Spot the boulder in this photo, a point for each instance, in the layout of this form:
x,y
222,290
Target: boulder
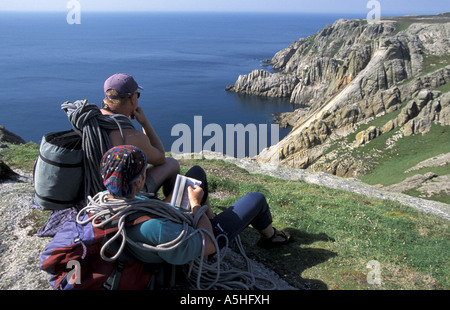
x,y
366,136
9,137
411,182
6,173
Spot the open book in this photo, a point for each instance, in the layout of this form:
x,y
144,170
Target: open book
x,y
180,196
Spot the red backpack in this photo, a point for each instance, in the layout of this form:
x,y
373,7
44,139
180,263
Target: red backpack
x,y
73,260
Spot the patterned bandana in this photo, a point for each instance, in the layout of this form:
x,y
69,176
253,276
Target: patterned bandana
x,y
120,167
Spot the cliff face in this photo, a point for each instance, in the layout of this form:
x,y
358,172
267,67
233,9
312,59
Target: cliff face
x,y
351,72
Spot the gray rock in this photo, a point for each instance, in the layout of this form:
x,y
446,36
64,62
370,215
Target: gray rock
x,y
264,83
20,248
6,173
7,136
410,183
350,72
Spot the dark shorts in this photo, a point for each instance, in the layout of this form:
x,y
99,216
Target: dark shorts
x,y
150,184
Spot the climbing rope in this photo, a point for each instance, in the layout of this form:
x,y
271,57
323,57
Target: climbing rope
x,y
88,120
203,273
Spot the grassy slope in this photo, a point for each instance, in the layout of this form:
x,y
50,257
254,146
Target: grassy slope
x,y
387,165
337,233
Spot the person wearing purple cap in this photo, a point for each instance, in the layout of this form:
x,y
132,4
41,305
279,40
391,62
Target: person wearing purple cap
x,y
121,97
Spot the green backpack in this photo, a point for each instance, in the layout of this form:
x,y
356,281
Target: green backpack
x,y
59,172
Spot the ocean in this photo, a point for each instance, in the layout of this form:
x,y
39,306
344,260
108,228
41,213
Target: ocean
x,y
183,61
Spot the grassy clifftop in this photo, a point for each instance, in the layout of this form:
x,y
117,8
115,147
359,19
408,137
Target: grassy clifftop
x,y
337,233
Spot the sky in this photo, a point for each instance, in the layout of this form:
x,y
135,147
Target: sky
x,y
387,7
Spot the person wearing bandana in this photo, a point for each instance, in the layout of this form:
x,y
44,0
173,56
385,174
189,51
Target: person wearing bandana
x,y
123,171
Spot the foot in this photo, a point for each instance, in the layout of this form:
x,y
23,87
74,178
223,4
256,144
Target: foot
x,y
278,238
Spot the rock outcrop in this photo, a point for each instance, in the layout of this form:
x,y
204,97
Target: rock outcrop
x,y
264,83
352,72
6,173
8,136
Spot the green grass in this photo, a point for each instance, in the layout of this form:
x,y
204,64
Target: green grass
x,y
407,152
21,156
387,166
400,26
431,63
337,233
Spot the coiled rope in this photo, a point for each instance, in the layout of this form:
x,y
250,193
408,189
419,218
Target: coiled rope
x,y
202,273
93,126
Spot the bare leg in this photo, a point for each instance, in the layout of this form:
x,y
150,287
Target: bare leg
x,y
163,175
268,231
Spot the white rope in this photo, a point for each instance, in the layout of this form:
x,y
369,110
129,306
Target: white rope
x,y
203,273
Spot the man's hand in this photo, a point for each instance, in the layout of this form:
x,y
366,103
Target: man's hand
x,y
139,116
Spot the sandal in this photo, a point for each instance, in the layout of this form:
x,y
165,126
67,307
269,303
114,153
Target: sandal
x,y
265,242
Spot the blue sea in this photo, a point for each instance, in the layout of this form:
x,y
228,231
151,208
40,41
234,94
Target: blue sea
x,y
183,61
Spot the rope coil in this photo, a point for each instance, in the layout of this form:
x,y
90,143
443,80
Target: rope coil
x,y
202,273
89,120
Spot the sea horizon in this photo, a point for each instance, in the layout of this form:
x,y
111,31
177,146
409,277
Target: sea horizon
x,y
183,60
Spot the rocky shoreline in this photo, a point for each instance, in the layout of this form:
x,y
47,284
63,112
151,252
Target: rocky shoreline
x,y
349,73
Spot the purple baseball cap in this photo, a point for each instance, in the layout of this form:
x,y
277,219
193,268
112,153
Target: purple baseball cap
x,y
123,83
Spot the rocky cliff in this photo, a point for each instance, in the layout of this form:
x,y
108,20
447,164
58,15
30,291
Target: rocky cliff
x,y
350,73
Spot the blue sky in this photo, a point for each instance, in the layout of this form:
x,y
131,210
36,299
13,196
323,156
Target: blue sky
x,y
388,7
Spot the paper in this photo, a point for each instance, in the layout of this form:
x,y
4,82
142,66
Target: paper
x,y
180,196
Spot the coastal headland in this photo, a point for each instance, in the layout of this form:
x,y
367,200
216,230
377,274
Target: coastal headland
x,y
362,93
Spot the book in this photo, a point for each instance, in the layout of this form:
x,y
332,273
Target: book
x,y
180,196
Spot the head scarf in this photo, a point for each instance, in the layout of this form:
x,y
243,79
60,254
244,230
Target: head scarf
x,y
120,167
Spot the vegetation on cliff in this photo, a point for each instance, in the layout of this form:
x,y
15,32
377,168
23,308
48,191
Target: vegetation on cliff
x,y
362,92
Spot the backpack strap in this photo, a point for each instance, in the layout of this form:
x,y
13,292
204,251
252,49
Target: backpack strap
x,y
112,283
120,128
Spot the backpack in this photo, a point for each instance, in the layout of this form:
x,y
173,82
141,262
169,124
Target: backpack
x,y
73,260
58,174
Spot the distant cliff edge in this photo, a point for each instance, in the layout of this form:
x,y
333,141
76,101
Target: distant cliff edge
x,y
349,74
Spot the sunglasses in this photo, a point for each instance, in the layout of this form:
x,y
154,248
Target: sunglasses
x,y
137,93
